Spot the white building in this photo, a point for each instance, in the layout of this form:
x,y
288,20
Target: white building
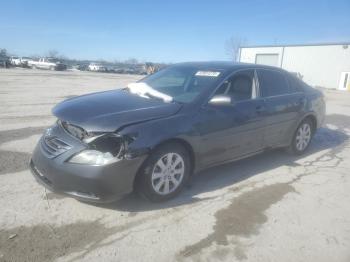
x,y
323,65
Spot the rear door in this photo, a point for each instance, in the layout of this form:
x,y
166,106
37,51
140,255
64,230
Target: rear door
x,y
283,105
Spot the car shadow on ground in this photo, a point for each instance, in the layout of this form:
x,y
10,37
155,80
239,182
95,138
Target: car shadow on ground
x,y
228,174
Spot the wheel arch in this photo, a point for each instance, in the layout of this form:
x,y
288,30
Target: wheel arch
x,y
312,117
185,144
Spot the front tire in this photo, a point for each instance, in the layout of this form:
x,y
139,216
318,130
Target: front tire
x,y
302,137
164,173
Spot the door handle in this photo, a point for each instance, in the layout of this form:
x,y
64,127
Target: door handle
x,y
260,109
300,102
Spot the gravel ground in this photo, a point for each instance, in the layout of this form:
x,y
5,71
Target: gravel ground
x,y
271,207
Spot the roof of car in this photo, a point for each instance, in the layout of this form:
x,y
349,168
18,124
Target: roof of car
x,y
225,65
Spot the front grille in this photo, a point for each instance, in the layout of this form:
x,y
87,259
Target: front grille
x,y
53,146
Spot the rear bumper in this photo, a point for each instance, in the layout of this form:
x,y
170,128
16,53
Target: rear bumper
x,y
88,183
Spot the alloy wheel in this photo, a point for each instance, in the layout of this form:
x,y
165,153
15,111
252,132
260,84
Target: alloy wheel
x,y
303,137
168,173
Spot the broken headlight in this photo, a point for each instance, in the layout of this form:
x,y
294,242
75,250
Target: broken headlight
x,y
102,150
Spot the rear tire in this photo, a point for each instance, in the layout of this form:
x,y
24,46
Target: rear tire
x,y
302,137
164,173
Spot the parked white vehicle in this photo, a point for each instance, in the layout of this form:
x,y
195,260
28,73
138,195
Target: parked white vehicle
x,y
96,67
47,63
25,61
15,61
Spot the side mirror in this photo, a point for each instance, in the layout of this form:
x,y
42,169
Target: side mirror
x,y
220,100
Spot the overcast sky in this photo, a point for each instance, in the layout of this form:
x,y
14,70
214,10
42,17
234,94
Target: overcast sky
x,y
165,31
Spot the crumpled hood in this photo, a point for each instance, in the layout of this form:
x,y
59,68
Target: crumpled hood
x,y
109,111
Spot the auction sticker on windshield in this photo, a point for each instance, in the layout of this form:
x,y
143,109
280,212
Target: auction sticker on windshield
x,y
208,73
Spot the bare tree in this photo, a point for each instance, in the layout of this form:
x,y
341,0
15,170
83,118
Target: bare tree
x,y
232,47
3,52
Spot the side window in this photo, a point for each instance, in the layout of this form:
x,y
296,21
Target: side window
x,y
295,84
241,86
272,83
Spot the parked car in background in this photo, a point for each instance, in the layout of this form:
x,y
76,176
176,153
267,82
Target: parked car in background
x,y
83,67
47,63
154,134
97,67
25,61
128,70
119,70
4,62
15,61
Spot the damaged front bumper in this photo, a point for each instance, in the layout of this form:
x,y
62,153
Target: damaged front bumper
x,y
94,183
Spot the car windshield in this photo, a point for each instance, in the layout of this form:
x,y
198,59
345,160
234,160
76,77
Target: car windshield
x,y
182,83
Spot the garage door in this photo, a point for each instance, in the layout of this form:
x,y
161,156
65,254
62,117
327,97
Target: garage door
x,y
267,59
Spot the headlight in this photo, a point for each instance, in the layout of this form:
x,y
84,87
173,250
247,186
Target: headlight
x,y
93,157
102,150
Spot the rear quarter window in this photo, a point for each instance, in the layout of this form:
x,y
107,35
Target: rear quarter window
x,y
295,84
272,83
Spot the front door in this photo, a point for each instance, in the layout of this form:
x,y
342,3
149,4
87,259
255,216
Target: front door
x,y
232,131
